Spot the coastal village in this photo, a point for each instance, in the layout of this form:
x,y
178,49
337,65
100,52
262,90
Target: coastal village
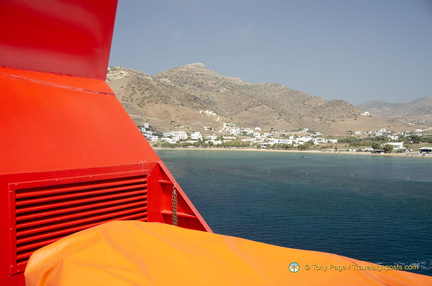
x,y
194,107
233,136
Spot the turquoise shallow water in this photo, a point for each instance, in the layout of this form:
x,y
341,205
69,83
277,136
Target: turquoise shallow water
x,y
372,208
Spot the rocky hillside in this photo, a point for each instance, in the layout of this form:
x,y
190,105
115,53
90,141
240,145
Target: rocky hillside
x,y
174,98
417,112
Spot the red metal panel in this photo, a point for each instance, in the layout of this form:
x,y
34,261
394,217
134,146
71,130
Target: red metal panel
x,y
161,201
71,157
57,122
46,206
69,37
39,208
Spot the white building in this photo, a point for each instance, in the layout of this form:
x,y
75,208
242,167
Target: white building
x,y
247,131
318,141
179,135
196,136
234,131
273,141
396,145
382,132
208,112
152,138
302,140
169,140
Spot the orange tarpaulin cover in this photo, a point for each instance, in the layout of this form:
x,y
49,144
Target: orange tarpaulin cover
x,y
138,253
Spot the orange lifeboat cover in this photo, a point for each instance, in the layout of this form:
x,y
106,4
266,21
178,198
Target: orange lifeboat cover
x,y
139,253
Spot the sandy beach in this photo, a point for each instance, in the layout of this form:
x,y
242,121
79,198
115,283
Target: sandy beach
x,y
409,154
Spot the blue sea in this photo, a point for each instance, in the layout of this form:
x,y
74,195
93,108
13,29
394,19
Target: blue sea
x,y
372,208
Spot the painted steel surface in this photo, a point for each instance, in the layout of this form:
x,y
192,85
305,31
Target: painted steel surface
x,y
70,157
70,37
56,122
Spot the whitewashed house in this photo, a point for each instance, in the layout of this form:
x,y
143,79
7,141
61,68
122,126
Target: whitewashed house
x,y
303,140
318,141
196,136
169,140
179,135
396,145
152,138
273,141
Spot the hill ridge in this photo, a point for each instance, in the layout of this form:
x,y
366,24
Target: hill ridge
x,y
173,98
418,111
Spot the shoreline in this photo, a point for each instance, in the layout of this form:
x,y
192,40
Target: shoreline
x,y
405,155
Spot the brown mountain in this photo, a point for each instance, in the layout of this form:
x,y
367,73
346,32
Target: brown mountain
x,y
417,112
174,98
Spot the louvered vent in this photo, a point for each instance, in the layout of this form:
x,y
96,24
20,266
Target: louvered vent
x,y
46,213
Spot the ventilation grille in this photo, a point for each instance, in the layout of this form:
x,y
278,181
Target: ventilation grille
x,y
45,214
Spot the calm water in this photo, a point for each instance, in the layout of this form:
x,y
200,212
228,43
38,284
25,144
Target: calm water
x,y
372,208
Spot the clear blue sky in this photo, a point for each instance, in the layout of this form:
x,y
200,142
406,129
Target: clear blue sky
x,y
356,50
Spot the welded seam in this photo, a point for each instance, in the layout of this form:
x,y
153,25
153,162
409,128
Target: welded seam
x,y
55,84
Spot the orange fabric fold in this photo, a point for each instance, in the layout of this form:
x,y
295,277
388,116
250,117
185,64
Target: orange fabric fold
x,y
138,253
